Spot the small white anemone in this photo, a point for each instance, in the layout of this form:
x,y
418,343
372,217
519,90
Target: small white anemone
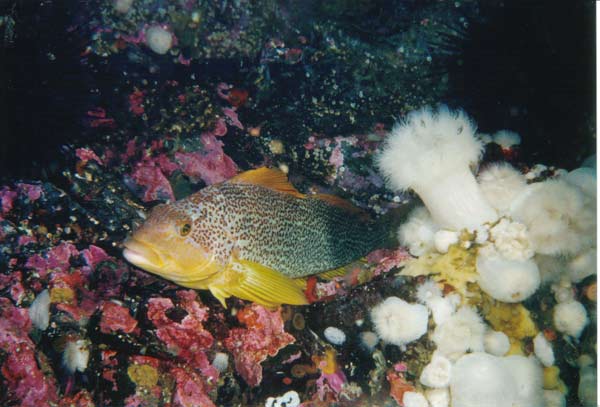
x,y
417,232
398,322
570,317
431,152
462,332
443,239
427,291
496,343
438,397
543,350
504,279
500,183
158,39
437,372
582,265
557,216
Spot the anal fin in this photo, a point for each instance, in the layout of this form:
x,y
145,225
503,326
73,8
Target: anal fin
x,y
254,282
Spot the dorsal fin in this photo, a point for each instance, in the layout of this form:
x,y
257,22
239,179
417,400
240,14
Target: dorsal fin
x,y
268,178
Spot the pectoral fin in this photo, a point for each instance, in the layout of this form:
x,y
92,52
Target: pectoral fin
x,y
254,282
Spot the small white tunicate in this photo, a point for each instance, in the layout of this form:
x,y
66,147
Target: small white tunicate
x,y
221,361
39,311
334,335
76,356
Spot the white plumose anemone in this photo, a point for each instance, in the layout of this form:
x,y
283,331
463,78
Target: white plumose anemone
x,y
417,232
437,372
414,399
557,217
500,183
511,240
398,322
461,332
496,343
570,317
506,280
159,39
431,152
584,178
528,378
442,308
479,379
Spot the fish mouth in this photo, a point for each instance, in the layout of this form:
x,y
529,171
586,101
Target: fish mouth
x,y
141,254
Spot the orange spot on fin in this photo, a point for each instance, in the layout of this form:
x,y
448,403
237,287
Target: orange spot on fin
x,y
268,178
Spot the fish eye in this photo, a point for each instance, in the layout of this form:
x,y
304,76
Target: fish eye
x,y
185,229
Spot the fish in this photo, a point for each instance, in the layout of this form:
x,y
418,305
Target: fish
x,y
255,237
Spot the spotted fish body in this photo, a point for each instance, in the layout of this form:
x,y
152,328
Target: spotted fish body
x,y
254,237
295,236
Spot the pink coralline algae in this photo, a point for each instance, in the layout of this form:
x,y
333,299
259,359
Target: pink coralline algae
x,y
85,155
190,390
7,196
25,383
136,99
263,336
116,318
56,258
14,283
387,259
211,165
149,175
80,399
94,255
186,338
32,191
232,118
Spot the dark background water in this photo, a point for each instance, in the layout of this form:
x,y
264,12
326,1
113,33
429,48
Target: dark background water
x,y
529,67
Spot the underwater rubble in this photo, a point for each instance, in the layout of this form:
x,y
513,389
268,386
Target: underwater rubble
x,y
406,326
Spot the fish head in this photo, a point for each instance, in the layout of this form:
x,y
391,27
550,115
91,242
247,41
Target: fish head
x,y
167,244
